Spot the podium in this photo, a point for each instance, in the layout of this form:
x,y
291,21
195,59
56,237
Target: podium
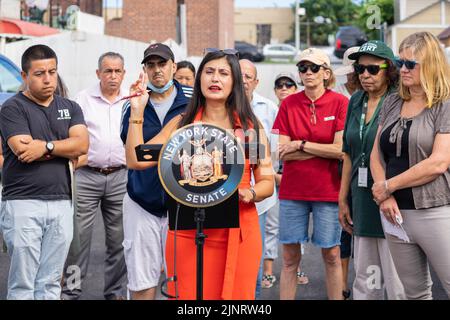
x,y
200,168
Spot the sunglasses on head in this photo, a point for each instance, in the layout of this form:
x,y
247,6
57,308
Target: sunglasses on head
x,y
287,84
373,69
232,52
409,64
303,68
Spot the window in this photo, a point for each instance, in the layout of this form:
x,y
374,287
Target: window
x,y
10,79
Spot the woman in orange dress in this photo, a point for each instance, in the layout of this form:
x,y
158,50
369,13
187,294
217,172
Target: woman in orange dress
x,y
231,256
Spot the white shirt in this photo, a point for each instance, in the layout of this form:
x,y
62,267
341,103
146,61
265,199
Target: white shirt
x,y
342,89
103,120
266,112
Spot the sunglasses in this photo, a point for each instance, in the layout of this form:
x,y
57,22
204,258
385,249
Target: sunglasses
x,y
373,69
313,118
303,68
287,84
409,64
232,52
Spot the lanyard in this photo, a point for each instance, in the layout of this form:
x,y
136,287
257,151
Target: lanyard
x,y
363,133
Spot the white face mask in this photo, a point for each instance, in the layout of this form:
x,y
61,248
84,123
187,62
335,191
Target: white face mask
x,y
160,90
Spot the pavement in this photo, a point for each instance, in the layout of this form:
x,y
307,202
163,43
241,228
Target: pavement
x,y
311,264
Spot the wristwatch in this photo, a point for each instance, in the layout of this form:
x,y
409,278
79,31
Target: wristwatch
x,y
302,145
49,146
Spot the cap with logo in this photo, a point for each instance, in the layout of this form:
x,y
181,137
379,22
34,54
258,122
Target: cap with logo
x,y
316,56
374,48
287,75
347,64
160,50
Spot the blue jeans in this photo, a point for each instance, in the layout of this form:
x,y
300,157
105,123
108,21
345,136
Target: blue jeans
x,y
262,227
294,223
37,234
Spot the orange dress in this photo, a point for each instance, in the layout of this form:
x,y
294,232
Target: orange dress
x,y
231,256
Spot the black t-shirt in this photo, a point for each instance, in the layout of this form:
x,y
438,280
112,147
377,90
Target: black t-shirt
x,y
397,165
42,180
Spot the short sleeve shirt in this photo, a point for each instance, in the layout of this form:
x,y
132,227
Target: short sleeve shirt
x,y
42,180
314,179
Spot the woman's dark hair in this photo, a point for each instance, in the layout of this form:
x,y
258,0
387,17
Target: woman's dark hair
x,y
392,75
237,101
61,88
186,64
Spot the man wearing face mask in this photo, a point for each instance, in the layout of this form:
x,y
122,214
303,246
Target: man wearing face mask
x,y
144,213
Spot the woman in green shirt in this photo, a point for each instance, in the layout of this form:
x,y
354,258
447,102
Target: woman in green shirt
x,y
375,271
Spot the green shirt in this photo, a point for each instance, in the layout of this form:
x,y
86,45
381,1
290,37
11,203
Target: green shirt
x,y
365,212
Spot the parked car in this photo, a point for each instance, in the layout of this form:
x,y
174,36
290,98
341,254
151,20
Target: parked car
x,y
346,37
10,78
280,51
248,51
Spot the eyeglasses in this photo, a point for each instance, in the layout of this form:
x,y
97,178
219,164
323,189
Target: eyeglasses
x,y
373,69
287,84
303,68
232,52
409,64
313,118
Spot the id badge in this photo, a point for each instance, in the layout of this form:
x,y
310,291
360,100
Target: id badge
x,y
362,177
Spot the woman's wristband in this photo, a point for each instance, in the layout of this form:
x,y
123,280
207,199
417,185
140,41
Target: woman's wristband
x,y
302,145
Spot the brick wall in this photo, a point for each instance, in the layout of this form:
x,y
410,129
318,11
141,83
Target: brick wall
x,y
89,6
145,21
226,24
210,23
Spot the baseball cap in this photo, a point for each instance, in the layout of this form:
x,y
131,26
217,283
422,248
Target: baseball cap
x,y
375,48
160,50
288,75
347,64
316,56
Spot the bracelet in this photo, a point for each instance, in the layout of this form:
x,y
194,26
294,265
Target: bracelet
x,y
302,145
253,193
136,121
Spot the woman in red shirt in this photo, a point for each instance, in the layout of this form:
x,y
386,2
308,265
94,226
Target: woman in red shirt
x,y
310,125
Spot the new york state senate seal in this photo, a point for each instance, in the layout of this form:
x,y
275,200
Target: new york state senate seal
x,y
201,165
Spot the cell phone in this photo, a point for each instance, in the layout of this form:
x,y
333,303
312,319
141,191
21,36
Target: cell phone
x,y
148,152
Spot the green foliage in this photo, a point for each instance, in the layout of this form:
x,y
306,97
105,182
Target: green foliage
x,y
341,13
386,12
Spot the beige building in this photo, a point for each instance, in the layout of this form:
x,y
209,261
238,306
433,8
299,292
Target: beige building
x,y
418,15
260,26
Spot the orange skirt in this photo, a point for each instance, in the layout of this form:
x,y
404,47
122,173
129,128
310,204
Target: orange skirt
x,y
231,260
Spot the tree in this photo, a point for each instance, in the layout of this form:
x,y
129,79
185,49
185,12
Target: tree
x,y
373,13
368,15
340,12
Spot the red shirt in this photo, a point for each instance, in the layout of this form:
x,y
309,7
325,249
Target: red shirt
x,y
315,179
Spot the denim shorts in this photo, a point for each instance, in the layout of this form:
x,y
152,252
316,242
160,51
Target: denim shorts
x,y
294,223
